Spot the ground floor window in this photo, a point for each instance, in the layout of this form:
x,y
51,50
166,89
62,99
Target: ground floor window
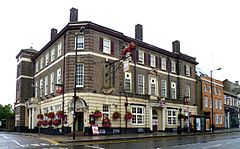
x,y
172,117
138,115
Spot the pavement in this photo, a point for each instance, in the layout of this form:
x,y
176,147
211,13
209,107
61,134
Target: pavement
x,y
120,137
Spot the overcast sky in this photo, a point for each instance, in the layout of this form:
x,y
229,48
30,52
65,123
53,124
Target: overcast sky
x,y
207,29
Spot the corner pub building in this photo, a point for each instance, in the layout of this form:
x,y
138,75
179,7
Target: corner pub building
x,y
142,91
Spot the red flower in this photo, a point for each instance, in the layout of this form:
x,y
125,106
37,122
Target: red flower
x,y
39,123
44,122
51,115
60,114
128,116
56,122
50,122
106,122
97,114
40,116
116,115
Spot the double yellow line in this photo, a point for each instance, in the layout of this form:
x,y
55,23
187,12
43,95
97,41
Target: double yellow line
x,y
51,141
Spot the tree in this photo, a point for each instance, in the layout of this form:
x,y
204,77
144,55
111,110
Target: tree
x,y
6,111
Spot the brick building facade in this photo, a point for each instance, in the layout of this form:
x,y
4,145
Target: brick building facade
x,y
155,86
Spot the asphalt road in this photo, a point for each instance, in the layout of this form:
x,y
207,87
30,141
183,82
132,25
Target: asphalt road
x,y
216,141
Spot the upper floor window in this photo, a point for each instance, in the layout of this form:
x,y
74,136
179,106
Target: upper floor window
x,y
46,86
52,82
138,115
41,87
215,90
173,90
210,103
205,87
80,75
205,102
220,104
163,64
36,66
216,103
210,89
80,42
59,76
41,63
106,46
216,116
127,82
152,61
164,88
219,91
141,57
188,91
59,49
173,66
187,70
47,59
140,84
36,89
53,54
220,118
153,86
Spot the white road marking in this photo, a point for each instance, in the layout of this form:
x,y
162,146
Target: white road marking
x,y
34,144
44,144
94,147
211,146
18,143
5,137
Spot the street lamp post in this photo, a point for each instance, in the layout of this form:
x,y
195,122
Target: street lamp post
x,y
212,96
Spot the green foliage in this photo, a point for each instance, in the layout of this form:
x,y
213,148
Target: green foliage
x,y
6,111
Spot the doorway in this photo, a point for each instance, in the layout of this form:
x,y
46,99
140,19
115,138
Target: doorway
x,y
155,120
79,121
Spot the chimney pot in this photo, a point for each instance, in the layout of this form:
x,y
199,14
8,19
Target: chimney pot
x,y
176,46
53,33
73,15
139,32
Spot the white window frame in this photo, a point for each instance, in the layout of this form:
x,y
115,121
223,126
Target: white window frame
x,y
188,73
163,88
171,117
140,57
173,66
173,90
153,86
47,59
220,118
58,107
46,85
80,75
216,119
59,47
141,83
205,87
36,89
216,103
106,46
128,82
152,60
41,87
106,111
59,76
220,104
52,82
80,42
205,102
52,54
41,63
138,112
188,91
210,103
163,63
36,66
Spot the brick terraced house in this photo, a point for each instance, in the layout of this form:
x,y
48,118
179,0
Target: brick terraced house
x,y
148,83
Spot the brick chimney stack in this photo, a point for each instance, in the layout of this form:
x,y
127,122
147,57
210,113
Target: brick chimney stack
x,y
53,33
176,46
139,32
73,15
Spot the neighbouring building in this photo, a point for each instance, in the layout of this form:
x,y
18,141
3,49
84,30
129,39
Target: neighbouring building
x,y
207,104
231,103
87,61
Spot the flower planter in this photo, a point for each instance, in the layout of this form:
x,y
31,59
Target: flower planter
x,y
60,114
40,116
97,114
51,115
128,116
116,115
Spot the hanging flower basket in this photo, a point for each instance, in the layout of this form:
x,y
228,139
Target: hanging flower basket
x,y
60,114
128,116
51,115
40,116
106,122
44,123
180,116
39,123
56,122
116,115
97,114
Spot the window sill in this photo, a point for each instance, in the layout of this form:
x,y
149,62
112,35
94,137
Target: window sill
x,y
79,86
